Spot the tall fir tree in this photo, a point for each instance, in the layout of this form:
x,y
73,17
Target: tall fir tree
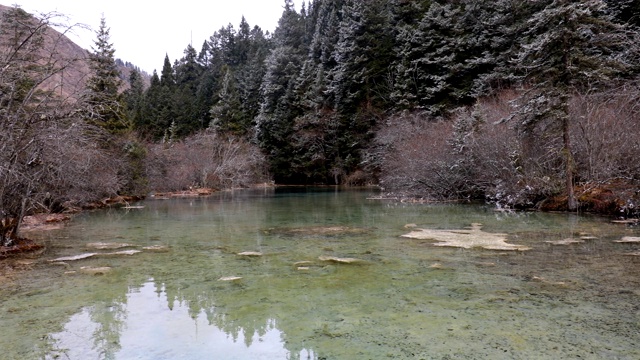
x,y
227,115
570,46
134,97
105,104
274,123
360,84
147,124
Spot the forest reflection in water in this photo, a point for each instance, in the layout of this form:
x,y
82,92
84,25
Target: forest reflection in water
x,y
403,298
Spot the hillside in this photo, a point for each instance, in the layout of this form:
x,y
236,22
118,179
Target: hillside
x,y
71,82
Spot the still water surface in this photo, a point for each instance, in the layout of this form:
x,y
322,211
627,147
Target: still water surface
x,y
403,299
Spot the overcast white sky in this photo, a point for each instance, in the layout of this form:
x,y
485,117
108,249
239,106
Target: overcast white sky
x,y
142,32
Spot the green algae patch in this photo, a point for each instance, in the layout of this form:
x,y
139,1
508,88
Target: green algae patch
x,y
92,270
466,238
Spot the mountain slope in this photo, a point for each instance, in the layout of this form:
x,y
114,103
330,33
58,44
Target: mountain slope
x,y
59,50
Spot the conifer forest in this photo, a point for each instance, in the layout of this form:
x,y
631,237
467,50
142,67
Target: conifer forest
x,y
525,104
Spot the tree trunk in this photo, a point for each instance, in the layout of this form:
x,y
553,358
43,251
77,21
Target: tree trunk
x,y
571,197
8,230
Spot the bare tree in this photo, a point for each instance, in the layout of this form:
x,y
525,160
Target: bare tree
x,y
206,159
47,152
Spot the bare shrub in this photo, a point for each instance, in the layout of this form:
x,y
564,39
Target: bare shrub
x,y
417,160
471,154
85,171
206,159
475,153
605,134
48,155
517,168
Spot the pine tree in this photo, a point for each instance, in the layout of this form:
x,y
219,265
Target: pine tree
x,y
147,122
625,11
167,76
360,85
570,46
274,123
364,53
226,114
106,108
133,98
190,117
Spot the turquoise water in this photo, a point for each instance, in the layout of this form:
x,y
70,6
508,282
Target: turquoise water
x,y
402,298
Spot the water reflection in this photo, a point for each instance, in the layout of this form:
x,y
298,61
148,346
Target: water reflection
x,y
550,302
146,326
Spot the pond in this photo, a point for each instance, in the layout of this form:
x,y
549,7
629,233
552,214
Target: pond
x,y
325,273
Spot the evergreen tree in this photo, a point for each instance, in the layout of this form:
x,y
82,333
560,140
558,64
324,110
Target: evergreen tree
x,y
274,123
133,98
106,108
569,46
364,53
316,129
625,11
227,115
165,107
188,73
167,76
360,84
251,75
147,122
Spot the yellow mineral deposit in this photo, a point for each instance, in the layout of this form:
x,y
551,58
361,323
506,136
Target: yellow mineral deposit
x,y
466,238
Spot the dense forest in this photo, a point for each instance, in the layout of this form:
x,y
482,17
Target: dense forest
x,y
522,103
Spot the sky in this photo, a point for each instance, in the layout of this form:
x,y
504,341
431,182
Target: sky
x,y
143,32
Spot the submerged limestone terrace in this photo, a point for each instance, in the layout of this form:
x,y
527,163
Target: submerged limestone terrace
x,y
467,238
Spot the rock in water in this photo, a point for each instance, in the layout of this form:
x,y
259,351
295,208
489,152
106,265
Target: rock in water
x,y
250,253
340,260
467,238
107,245
123,252
74,257
567,241
629,239
156,248
95,270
